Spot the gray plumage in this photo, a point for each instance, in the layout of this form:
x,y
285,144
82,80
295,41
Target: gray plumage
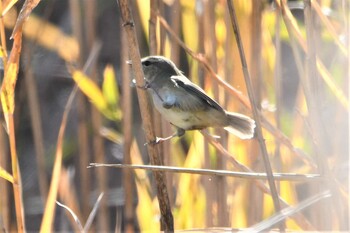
x,y
186,105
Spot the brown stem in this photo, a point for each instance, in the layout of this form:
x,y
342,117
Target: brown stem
x,y
256,114
167,223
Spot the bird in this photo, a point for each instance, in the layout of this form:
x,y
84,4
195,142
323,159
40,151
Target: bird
x,y
185,105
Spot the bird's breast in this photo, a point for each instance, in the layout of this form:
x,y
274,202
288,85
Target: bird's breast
x,y
186,119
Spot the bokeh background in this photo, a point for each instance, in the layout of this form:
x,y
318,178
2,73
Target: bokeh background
x,y
298,60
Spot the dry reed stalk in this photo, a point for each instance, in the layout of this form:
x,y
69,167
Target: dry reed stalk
x,y
49,212
256,203
167,223
8,104
4,199
128,177
5,214
83,140
247,174
278,89
256,114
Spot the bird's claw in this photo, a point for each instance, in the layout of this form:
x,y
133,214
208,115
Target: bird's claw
x,y
155,141
144,87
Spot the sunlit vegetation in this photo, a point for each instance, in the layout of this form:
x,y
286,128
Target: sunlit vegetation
x,y
73,139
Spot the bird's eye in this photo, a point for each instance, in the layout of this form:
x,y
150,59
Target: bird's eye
x,y
147,63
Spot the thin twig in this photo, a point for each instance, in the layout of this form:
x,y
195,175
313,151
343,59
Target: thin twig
x,y
254,108
75,217
8,104
287,212
93,213
210,172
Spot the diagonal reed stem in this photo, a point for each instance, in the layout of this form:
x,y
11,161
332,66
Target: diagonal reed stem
x,y
256,114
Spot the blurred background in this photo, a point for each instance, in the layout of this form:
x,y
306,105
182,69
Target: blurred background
x,y
298,59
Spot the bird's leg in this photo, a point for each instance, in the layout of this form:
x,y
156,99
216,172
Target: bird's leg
x,y
180,132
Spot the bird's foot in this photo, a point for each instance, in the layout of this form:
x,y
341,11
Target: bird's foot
x,y
144,87
158,140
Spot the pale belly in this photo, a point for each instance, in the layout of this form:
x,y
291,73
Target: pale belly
x,y
189,120
183,120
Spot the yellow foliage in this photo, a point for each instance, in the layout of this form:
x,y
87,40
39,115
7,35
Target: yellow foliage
x,y
238,215
191,195
47,35
95,95
7,176
109,87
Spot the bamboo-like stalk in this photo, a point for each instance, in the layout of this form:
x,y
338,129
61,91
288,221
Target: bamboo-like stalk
x,y
4,185
17,184
154,50
256,203
128,178
256,114
82,127
153,45
4,199
167,223
278,87
9,115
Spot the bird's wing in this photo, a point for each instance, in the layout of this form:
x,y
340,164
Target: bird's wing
x,y
196,92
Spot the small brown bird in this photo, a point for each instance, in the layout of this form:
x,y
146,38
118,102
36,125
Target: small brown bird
x,y
185,105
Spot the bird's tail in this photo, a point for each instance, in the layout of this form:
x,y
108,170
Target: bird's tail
x,y
240,125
